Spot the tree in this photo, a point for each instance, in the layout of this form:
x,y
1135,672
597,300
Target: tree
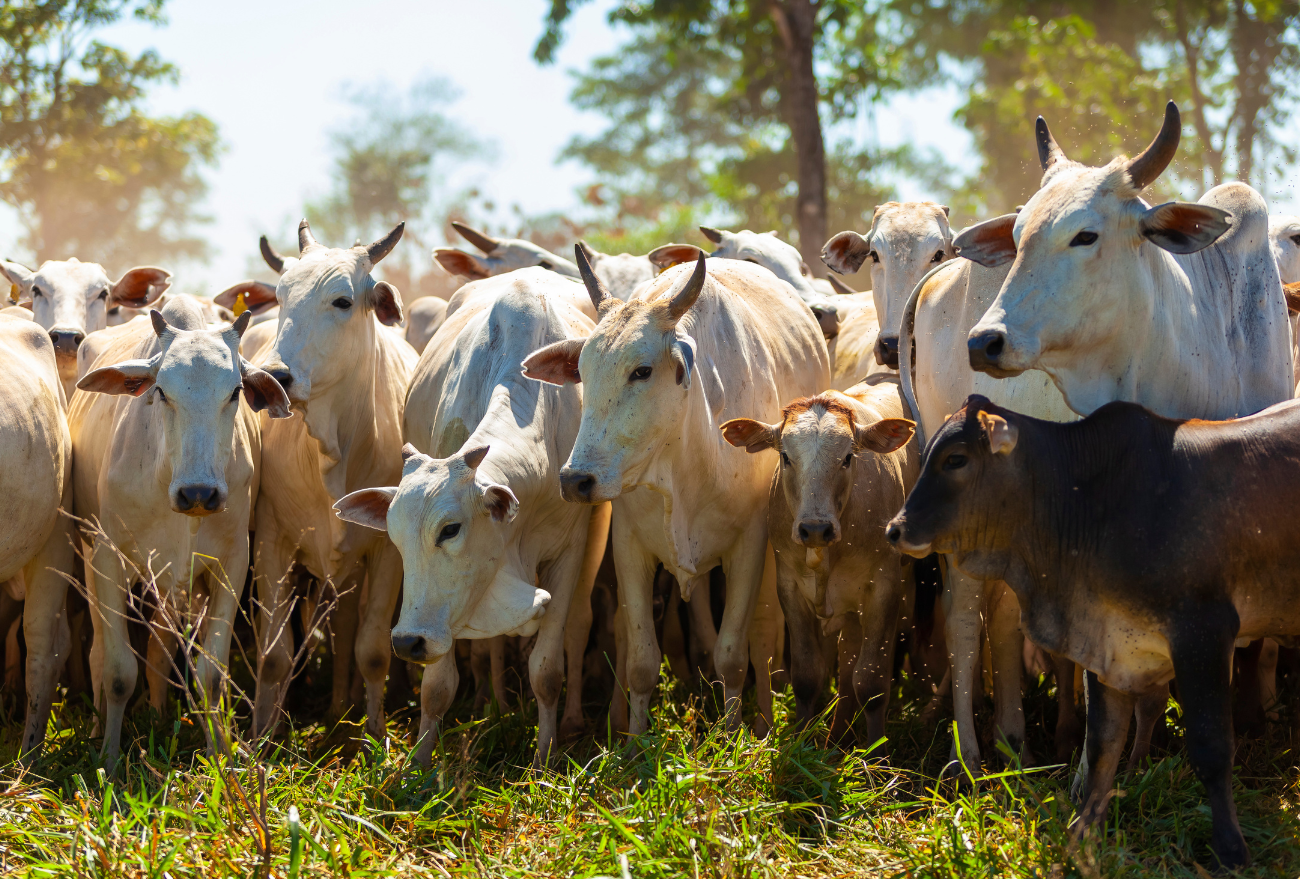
x,y
90,172
722,101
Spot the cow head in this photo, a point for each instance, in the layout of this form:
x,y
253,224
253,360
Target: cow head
x,y
1284,240
451,526
636,370
765,249
904,243
194,383
970,473
328,307
1079,249
72,299
501,255
819,439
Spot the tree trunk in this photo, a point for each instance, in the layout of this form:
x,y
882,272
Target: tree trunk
x,y
795,21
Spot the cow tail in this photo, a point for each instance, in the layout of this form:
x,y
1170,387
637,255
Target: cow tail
x,y
905,364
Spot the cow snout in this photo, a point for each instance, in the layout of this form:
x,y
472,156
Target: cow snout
x,y
576,486
985,350
896,534
887,351
409,647
199,500
817,533
66,341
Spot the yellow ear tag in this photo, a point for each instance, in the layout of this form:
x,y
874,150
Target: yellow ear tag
x,y
13,292
240,305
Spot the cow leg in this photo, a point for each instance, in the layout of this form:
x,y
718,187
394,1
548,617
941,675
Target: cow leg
x,y
636,571
225,586
117,661
673,641
546,663
703,631
618,708
1109,712
743,567
764,630
1248,709
1069,732
344,626
577,627
480,665
962,634
849,644
1006,648
1150,710
45,628
273,574
437,690
875,665
163,642
807,665
11,613
497,659
1268,678
374,636
1203,664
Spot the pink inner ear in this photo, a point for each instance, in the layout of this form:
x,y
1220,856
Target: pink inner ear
x,y
457,262
387,307
555,364
498,501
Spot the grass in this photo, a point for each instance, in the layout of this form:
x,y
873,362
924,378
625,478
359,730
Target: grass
x,y
688,799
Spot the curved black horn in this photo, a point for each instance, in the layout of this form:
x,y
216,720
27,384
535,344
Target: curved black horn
x,y
1156,157
385,245
1048,151
305,239
686,296
273,259
586,248
485,243
595,289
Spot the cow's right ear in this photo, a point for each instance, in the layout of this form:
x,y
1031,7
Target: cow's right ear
x,y
22,278
989,243
458,262
885,436
139,287
1179,227
261,391
846,252
669,255
556,364
753,436
132,377
1002,434
259,296
368,507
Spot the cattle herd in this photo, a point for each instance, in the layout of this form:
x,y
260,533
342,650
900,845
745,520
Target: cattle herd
x,y
1077,413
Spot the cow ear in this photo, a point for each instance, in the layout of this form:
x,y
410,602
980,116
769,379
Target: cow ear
x,y
989,243
1001,433
1179,227
259,296
501,503
368,507
21,277
1292,294
139,287
682,351
846,252
387,303
556,364
132,377
261,391
750,435
885,436
669,255
828,318
458,262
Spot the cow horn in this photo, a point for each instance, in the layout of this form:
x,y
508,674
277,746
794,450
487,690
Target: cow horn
x,y
385,245
273,259
588,250
1156,157
685,298
485,243
305,240
1048,151
595,289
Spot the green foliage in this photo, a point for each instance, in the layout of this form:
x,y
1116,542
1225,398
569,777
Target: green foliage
x,y
91,173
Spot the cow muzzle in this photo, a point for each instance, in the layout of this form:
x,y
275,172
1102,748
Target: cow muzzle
x,y
578,487
417,648
66,340
887,351
987,350
817,532
896,534
199,500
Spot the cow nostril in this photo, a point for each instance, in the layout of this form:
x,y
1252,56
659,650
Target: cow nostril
x,y
78,338
828,533
282,377
994,348
192,497
577,486
986,348
409,647
894,534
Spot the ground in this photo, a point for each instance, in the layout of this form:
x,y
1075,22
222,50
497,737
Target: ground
x,y
689,799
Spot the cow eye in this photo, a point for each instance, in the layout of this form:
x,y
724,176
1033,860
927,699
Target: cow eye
x,y
785,460
342,302
640,374
1295,239
938,256
875,257
448,532
848,460
103,294
37,293
161,395
954,462
235,395
1083,239
546,265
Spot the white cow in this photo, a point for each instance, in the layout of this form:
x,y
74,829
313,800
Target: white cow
x,y
72,299
36,543
346,375
423,318
488,545
1284,239
660,374
622,273
1178,307
501,255
167,460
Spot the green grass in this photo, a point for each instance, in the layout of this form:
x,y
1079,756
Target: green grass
x,y
688,799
